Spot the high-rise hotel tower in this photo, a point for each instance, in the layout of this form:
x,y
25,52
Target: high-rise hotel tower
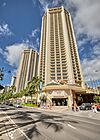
x,y
28,68
59,59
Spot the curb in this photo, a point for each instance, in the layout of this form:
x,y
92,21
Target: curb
x,y
91,115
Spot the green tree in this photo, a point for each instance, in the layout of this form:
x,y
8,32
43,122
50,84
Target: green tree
x,y
43,98
25,93
96,99
8,96
2,95
16,95
12,89
33,86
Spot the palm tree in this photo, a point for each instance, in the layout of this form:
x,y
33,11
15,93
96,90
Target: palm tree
x,y
33,86
8,96
15,95
25,93
12,89
2,96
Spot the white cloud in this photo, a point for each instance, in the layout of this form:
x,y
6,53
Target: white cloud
x,y
96,49
44,4
91,67
34,2
33,40
13,53
4,4
50,3
5,31
86,18
1,51
37,42
34,32
85,14
57,2
83,41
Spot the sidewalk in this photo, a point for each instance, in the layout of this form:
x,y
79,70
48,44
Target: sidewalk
x,y
65,110
85,113
81,113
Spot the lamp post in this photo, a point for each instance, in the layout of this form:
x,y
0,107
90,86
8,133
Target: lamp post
x,y
92,82
40,95
5,75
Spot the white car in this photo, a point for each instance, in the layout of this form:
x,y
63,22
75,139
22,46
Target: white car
x,y
18,106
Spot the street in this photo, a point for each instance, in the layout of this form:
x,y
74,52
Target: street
x,y
34,124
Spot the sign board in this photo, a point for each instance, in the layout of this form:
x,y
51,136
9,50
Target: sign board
x,y
40,85
59,94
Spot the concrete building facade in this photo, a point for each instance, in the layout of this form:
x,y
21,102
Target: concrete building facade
x,y
59,59
59,63
13,79
27,69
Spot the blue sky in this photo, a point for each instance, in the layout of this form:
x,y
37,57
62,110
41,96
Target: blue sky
x,y
20,28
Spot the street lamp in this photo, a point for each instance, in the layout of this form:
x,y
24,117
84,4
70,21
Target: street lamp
x,y
4,73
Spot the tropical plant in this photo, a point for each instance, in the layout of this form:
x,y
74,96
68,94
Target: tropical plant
x,y
25,93
16,95
33,86
7,96
2,95
12,89
43,98
96,99
10,92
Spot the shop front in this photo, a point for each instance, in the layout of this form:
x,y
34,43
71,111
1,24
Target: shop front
x,y
62,95
59,98
59,101
84,98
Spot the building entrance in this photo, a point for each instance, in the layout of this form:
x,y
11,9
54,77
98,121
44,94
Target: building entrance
x,y
59,101
84,98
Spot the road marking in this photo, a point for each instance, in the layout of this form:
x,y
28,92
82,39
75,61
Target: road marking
x,y
11,135
19,129
17,126
72,126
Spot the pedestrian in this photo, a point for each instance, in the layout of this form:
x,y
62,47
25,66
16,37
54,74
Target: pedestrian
x,y
50,105
94,109
77,108
72,107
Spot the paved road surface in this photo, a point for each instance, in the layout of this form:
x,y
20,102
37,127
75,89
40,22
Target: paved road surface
x,y
32,124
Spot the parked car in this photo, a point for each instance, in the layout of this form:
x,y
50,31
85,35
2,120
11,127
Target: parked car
x,y
85,106
98,107
7,103
18,106
10,104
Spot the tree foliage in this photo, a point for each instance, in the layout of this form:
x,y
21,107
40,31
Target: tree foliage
x,y
7,96
12,89
2,95
96,99
43,98
33,86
